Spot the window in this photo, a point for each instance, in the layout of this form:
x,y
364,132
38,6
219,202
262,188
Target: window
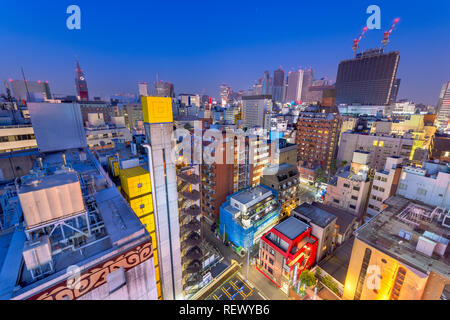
x,y
270,270
421,191
354,198
336,200
271,261
346,185
352,206
402,186
356,188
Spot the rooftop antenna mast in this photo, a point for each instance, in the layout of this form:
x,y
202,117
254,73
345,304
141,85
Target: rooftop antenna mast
x,y
355,46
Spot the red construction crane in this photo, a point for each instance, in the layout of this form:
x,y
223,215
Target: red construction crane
x,y
386,34
356,41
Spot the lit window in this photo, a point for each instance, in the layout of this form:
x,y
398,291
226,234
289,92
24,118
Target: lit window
x,y
375,143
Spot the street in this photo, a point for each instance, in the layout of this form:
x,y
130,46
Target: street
x,y
262,284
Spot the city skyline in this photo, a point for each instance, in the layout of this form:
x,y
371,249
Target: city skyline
x,y
115,54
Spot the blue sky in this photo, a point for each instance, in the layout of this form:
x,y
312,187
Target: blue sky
x,y
198,45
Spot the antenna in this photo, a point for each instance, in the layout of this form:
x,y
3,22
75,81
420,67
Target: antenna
x,y
386,34
356,41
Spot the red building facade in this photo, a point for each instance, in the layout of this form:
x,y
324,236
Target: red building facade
x,y
285,251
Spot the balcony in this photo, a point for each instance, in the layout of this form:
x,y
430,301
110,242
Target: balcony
x,y
192,240
193,225
194,253
192,211
193,195
189,178
194,267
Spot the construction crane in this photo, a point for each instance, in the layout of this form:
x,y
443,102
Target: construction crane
x,y
386,34
356,41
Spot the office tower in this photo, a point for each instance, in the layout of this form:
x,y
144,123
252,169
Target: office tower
x,y
143,89
278,86
368,79
81,84
256,111
188,100
401,254
380,146
266,83
225,92
308,78
31,91
294,86
394,92
443,108
317,136
164,89
158,119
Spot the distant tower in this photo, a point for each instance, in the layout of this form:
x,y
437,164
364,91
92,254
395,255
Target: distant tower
x,y
81,84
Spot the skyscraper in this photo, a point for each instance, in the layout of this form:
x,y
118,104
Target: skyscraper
x,y
308,78
278,86
266,83
317,136
29,90
81,84
143,89
294,86
368,79
164,89
225,91
443,108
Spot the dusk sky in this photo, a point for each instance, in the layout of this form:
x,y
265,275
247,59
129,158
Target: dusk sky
x,y
197,45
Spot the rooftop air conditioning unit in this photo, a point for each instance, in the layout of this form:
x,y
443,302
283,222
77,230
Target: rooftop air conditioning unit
x,y
37,254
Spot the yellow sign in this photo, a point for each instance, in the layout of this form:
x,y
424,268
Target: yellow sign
x,y
157,109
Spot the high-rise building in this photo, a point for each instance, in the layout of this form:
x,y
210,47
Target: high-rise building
x,y
158,119
143,89
317,137
164,89
278,86
394,92
225,92
308,78
266,83
81,84
256,111
443,109
240,165
368,79
31,91
294,86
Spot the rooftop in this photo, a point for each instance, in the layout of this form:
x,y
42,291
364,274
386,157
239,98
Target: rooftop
x,y
291,227
396,231
114,227
249,195
317,215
